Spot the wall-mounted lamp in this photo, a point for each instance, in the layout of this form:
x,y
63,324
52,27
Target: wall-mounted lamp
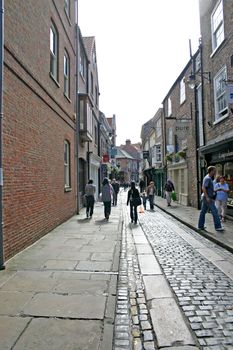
x,y
192,81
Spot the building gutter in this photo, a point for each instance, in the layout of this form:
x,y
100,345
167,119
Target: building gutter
x,y
77,108
2,266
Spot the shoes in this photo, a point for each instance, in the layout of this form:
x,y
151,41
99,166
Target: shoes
x,y
202,228
87,215
219,229
90,216
169,205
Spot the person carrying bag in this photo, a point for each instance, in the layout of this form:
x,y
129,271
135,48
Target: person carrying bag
x,y
134,200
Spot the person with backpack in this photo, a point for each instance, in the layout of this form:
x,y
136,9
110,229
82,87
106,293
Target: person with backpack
x,y
134,199
169,188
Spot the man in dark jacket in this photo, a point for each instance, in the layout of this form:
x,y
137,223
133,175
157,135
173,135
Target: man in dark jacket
x,y
116,188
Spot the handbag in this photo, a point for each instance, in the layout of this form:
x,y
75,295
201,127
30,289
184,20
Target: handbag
x,y
137,201
173,196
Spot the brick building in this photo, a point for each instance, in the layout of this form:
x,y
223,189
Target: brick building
x,y
152,135
216,18
39,121
181,142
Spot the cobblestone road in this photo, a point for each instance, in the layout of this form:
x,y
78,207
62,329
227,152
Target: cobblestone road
x,y
201,289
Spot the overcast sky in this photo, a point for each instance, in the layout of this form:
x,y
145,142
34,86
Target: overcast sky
x,y
142,47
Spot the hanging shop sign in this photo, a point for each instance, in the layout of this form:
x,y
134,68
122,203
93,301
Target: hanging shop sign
x,y
229,93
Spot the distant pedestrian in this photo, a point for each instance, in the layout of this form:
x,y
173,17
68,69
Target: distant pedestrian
x,y
144,199
107,194
134,200
151,194
208,201
169,188
221,188
90,198
116,188
142,185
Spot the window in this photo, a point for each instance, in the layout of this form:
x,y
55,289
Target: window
x,y
82,64
67,7
66,74
96,96
53,52
169,106
92,84
158,154
217,26
96,135
67,164
158,128
220,95
182,91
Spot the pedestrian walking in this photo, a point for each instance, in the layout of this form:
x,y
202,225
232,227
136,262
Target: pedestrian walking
x,y
134,199
107,194
116,188
144,199
169,188
90,198
221,188
208,201
151,193
141,185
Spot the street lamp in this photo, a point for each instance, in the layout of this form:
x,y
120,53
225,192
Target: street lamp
x,y
192,81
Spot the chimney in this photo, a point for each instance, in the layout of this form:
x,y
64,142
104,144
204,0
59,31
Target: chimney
x,y
128,142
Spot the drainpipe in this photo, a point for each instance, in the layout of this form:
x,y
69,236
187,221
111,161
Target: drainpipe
x,y
2,266
77,104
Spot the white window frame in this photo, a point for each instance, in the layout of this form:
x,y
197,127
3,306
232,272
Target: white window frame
x,y
217,25
66,71
220,101
67,7
158,128
169,107
67,182
182,91
54,52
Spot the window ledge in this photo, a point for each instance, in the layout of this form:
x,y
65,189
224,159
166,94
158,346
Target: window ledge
x,y
221,119
217,48
67,97
67,16
67,189
55,81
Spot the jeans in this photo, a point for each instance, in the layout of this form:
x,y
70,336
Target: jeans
x,y
133,213
221,207
204,208
151,200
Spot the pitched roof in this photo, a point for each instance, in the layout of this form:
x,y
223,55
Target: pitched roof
x,y
123,154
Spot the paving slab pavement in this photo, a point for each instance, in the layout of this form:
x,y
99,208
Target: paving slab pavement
x,y
60,293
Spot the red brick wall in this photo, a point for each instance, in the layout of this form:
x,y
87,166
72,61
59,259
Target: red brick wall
x,y
37,120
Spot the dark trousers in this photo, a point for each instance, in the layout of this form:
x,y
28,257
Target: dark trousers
x,y
151,200
90,205
107,209
133,213
114,201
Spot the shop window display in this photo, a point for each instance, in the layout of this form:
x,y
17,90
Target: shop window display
x,y
228,172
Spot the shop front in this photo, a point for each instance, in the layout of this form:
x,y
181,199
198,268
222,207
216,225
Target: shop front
x,y
221,156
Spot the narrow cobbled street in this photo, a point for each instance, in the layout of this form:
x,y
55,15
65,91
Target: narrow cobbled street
x,y
180,287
